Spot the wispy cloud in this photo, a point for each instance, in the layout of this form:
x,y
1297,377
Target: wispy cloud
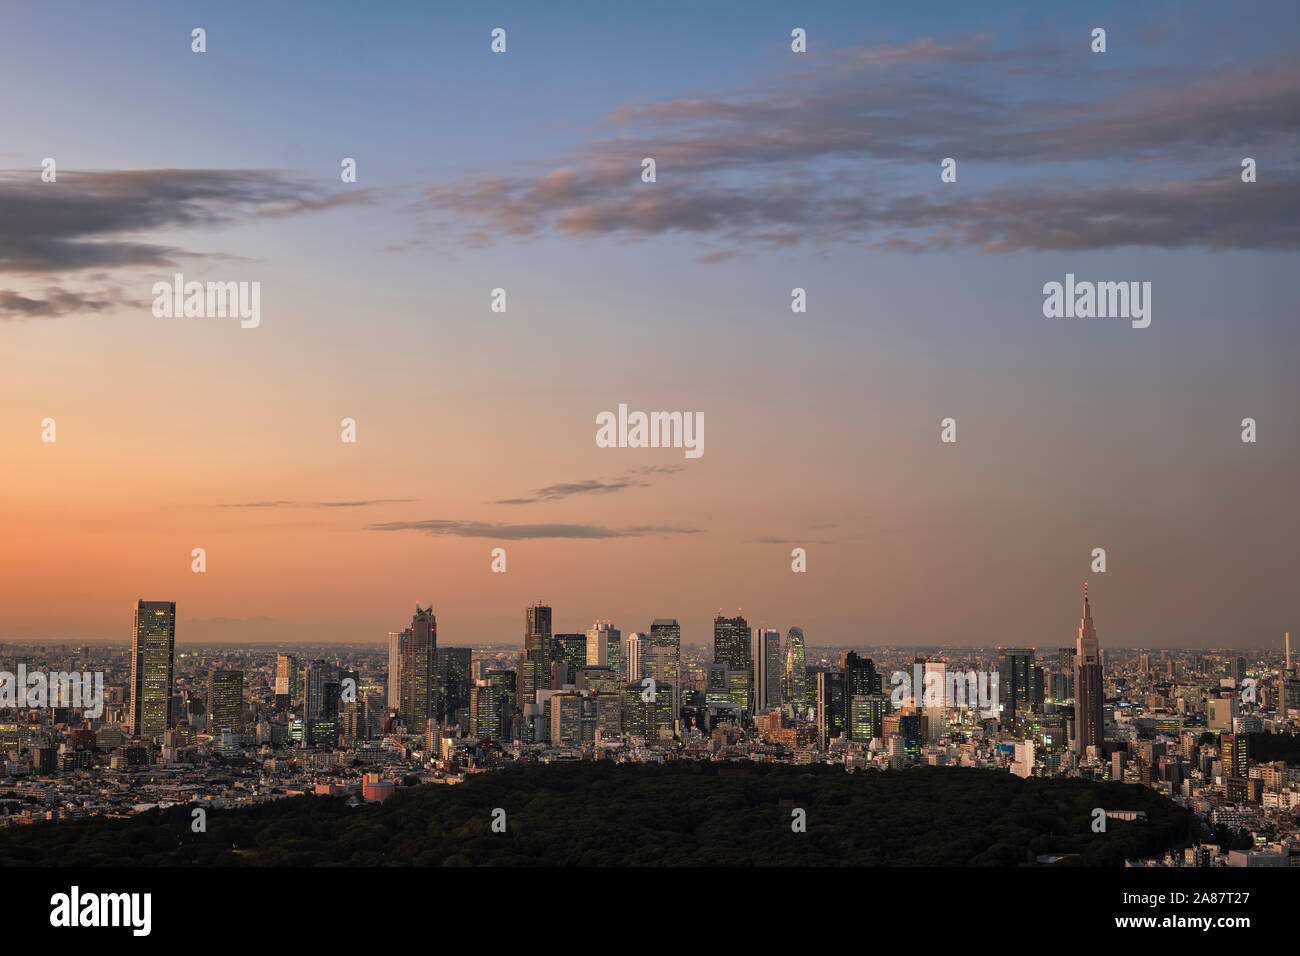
x,y
55,301
362,503
784,164
588,486
521,532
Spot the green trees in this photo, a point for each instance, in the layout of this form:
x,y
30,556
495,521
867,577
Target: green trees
x,y
684,814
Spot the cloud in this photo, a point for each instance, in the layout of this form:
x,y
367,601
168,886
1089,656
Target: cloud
x,y
571,488
522,532
101,219
810,159
363,503
602,486
57,301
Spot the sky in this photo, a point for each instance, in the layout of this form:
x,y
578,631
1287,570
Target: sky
x,y
775,170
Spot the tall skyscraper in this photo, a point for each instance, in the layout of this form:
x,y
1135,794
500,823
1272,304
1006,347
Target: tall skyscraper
x,y
1088,724
767,668
665,648
225,701
572,650
1015,684
632,652
796,670
454,680
396,641
317,679
604,646
153,653
1066,665
831,717
419,698
731,647
537,628
286,677
534,663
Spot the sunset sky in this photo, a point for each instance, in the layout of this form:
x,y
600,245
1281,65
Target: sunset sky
x,y
775,170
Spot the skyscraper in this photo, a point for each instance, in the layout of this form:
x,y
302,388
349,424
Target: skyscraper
x,y
286,677
419,666
796,670
572,650
317,679
632,648
1066,665
396,640
663,656
537,628
1015,684
1088,725
767,668
454,680
731,647
604,646
830,706
534,666
225,701
153,652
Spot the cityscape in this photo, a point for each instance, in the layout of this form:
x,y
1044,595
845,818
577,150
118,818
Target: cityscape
x,y
217,728
512,445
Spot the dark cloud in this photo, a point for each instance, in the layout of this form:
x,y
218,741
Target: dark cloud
x,y
521,532
96,219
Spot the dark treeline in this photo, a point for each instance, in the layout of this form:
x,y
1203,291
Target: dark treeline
x,y
597,813
1265,748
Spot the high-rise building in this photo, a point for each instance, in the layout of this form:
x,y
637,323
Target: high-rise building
x,y
571,649
537,628
319,702
1015,684
632,652
663,658
454,680
1066,664
767,668
830,706
1235,751
1089,728
225,702
286,678
153,653
489,707
534,662
419,670
860,676
649,719
566,719
604,646
866,716
731,647
396,641
796,670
